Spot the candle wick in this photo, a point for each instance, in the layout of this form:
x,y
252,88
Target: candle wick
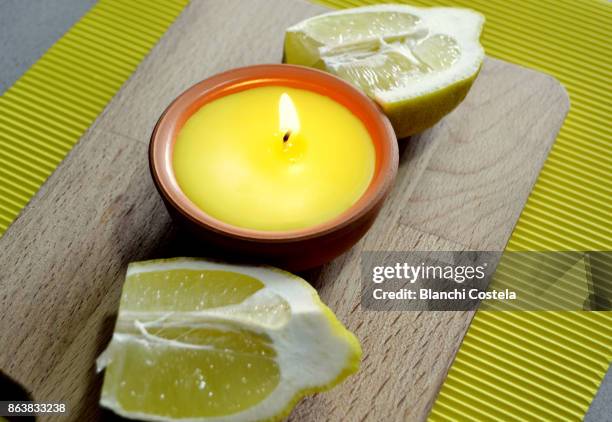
x,y
286,136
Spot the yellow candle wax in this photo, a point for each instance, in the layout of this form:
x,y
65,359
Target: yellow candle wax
x,y
274,158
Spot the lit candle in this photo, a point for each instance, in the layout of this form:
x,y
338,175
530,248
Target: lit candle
x,y
274,158
286,164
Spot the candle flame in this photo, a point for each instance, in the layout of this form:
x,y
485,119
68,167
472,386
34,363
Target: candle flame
x,y
289,121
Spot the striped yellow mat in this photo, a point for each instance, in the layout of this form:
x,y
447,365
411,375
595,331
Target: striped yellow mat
x,y
545,365
522,366
48,109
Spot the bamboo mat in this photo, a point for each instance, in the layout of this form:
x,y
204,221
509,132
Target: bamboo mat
x,y
534,365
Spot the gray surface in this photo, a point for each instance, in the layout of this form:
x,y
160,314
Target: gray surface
x,y
29,27
601,407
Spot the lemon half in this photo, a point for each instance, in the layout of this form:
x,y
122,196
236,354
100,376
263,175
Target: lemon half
x,y
205,341
417,63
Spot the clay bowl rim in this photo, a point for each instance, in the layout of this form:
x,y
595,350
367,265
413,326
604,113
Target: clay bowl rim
x,y
178,112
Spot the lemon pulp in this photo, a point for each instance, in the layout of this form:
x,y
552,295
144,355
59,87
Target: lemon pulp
x,y
417,63
202,340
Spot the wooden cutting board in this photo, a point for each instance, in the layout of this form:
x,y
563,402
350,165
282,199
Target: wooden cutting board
x,y
461,186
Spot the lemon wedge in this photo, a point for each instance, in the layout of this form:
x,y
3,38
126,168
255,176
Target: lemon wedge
x,y
206,341
417,63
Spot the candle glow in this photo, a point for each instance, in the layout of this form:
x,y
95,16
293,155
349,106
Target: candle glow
x,y
289,122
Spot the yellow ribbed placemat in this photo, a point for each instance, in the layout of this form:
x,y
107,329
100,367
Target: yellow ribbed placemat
x,y
535,365
48,109
545,365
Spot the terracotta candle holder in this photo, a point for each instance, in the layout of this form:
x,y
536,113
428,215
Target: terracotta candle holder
x,y
293,249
